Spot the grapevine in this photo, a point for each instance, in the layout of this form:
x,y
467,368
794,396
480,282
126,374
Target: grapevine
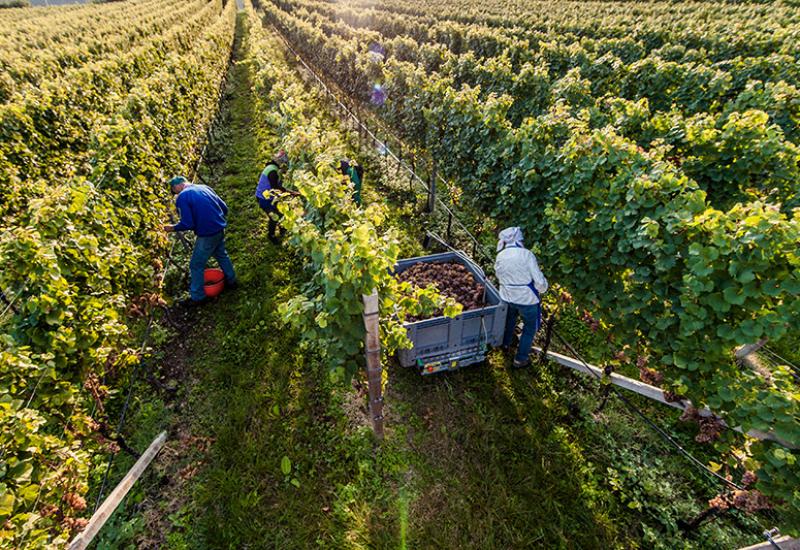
x,y
656,208
86,250
651,153
349,253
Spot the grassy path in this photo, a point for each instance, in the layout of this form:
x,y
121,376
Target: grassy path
x,y
269,456
255,398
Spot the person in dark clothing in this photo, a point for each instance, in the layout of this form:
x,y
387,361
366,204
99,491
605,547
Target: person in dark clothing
x,y
268,182
356,174
203,212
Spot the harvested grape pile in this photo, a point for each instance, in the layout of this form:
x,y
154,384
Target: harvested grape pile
x,y
450,278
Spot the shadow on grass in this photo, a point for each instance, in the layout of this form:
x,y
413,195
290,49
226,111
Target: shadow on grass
x,y
493,468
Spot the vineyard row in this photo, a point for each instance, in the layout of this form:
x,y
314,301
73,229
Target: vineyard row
x,y
624,228
86,253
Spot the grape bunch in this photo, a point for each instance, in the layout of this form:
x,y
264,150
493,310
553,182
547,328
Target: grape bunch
x,y
451,279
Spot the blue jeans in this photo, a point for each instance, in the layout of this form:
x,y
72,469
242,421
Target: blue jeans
x,y
204,248
530,318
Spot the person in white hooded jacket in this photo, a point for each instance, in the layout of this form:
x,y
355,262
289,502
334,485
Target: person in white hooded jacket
x,y
521,286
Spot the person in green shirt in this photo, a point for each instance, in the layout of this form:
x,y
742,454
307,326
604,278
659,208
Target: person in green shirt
x,y
269,182
356,174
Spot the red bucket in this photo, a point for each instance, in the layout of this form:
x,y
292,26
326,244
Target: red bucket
x,y
214,280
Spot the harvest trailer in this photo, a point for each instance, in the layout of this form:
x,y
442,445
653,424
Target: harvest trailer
x,y
448,343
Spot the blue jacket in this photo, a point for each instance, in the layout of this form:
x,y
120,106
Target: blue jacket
x,y
202,211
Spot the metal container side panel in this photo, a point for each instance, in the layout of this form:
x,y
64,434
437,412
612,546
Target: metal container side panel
x,y
477,330
408,356
485,326
499,327
434,338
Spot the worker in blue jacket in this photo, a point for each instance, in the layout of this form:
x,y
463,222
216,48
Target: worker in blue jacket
x,y
203,212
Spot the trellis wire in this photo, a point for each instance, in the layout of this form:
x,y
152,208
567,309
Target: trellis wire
x,y
782,360
384,146
648,420
10,302
123,413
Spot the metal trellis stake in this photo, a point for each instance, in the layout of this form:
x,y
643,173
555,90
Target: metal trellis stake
x,y
449,226
411,174
399,158
432,190
548,335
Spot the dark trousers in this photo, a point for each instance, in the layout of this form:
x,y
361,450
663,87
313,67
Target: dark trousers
x,y
273,217
530,318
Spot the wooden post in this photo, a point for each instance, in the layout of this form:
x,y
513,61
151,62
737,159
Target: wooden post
x,y
746,356
372,344
110,504
361,134
748,349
